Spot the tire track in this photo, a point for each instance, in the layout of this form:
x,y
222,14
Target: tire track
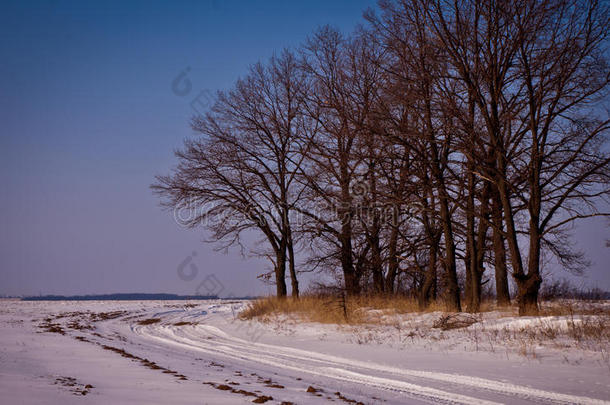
x,y
323,365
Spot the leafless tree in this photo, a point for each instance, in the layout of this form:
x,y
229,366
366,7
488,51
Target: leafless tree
x,y
341,101
532,68
419,67
246,161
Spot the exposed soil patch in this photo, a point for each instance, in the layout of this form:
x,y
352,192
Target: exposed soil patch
x,y
78,326
119,351
315,391
104,316
81,321
54,328
91,316
145,362
348,400
149,321
47,325
260,399
184,323
73,385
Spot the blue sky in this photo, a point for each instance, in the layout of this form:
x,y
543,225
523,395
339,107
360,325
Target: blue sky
x,y
88,117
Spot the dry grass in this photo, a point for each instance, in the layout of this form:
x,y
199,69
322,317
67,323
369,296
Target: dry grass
x,y
566,328
354,310
332,309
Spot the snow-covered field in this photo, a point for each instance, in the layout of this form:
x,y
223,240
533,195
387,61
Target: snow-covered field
x,y
199,352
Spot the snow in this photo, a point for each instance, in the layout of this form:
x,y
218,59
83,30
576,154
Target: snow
x,y
403,360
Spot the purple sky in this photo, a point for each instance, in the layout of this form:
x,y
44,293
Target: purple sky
x,y
88,117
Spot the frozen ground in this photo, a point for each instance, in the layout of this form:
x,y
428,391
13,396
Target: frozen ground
x,y
198,352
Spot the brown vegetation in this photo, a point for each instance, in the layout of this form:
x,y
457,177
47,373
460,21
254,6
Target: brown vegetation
x,y
332,309
149,321
364,309
259,399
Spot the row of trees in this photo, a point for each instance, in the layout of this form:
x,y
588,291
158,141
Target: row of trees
x,y
441,139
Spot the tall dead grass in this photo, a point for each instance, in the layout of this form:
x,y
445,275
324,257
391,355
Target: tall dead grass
x,y
336,309
365,308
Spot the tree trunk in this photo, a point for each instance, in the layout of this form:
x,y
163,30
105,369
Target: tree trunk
x,y
280,273
453,289
392,261
437,165
473,282
352,285
291,266
350,277
376,265
468,275
502,292
479,249
428,289
528,285
511,232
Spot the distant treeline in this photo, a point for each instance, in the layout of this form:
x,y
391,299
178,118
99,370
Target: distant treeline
x,y
120,297
563,289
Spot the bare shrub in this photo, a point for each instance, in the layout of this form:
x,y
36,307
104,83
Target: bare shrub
x,y
454,321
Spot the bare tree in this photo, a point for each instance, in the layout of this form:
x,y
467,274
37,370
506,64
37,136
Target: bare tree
x,y
341,100
563,68
531,68
419,65
247,160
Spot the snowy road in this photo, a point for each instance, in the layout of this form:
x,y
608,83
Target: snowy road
x,y
224,359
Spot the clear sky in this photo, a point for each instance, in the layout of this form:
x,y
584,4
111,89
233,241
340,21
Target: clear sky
x,y
88,117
